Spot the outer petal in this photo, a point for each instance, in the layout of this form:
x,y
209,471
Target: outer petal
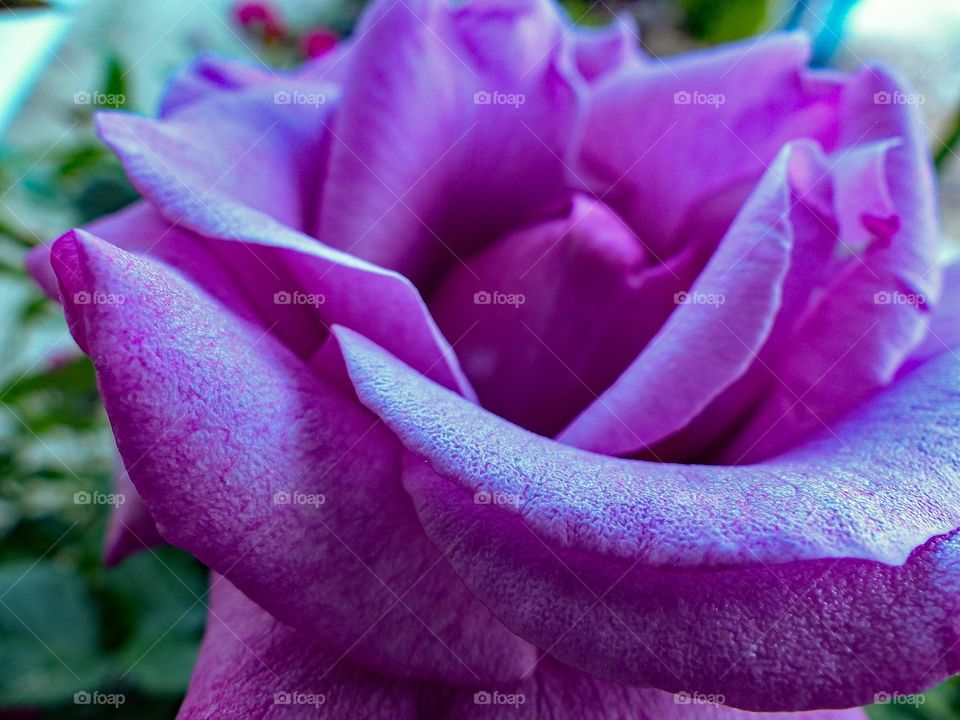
x,y
252,666
176,175
241,278
675,147
559,692
469,103
268,475
262,147
211,74
781,561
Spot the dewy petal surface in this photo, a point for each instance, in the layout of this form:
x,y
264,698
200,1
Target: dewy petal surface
x,y
700,562
269,475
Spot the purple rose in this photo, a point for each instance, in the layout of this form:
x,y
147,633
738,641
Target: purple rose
x,y
498,370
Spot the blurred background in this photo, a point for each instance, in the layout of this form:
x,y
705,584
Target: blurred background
x,y
68,624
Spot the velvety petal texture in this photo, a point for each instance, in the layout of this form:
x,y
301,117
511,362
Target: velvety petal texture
x,y
699,562
269,475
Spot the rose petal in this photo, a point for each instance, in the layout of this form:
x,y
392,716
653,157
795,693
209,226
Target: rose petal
x,y
875,313
600,51
236,276
943,333
252,666
258,146
559,692
270,476
171,170
795,548
211,74
472,103
547,317
762,274
131,527
701,130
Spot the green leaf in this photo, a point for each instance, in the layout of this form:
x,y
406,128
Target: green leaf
x,y
157,601
48,635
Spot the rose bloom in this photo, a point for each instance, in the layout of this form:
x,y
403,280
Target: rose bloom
x,y
496,369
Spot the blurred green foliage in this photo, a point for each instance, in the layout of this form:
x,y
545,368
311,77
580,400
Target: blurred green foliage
x,y
715,22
